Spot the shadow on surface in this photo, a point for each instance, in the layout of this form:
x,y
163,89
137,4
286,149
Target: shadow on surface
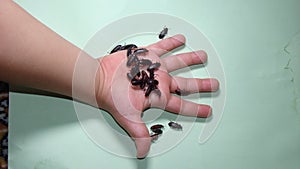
x,y
26,90
36,110
142,163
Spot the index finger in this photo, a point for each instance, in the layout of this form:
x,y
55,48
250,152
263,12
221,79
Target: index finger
x,y
163,46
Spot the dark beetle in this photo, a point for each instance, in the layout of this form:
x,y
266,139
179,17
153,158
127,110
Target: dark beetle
x,y
152,82
125,47
129,46
142,85
151,73
158,131
115,49
150,89
181,92
130,76
154,137
163,33
175,125
157,126
135,71
153,66
144,62
129,52
145,78
140,51
136,82
131,59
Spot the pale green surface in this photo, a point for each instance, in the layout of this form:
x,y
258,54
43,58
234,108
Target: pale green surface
x,y
258,43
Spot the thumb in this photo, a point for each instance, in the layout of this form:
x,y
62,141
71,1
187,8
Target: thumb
x,y
138,131
142,142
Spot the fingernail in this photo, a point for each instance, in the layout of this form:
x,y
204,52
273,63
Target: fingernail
x,y
202,56
210,84
205,111
180,38
214,84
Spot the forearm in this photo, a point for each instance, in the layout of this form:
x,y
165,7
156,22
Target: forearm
x,y
33,55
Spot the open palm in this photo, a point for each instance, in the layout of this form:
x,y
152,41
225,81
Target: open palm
x,y
126,102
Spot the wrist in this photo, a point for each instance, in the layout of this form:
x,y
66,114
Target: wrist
x,y
102,85
86,78
99,84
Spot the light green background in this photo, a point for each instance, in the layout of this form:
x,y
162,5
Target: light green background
x,y
258,43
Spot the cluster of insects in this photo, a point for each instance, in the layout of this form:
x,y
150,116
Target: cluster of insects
x,y
157,129
138,77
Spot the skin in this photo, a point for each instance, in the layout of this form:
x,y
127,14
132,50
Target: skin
x,y
32,55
